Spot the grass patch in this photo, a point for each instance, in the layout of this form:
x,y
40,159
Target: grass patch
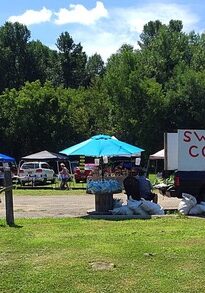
x,y
48,192
84,255
152,177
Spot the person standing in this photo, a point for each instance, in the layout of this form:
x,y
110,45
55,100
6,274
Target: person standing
x,y
64,176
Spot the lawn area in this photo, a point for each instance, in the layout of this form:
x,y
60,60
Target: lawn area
x,y
59,255
48,192
152,177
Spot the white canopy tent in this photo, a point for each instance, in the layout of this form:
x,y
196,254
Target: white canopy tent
x,y
47,156
157,156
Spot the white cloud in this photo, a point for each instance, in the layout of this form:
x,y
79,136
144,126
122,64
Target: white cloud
x,y
79,14
125,25
32,17
136,18
104,44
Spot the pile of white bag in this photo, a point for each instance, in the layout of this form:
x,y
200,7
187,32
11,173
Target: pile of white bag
x,y
189,206
143,208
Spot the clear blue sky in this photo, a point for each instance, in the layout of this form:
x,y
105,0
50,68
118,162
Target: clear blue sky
x,y
100,26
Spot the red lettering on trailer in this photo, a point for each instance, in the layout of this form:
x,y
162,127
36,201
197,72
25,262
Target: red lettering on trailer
x,y
188,138
203,151
198,137
194,151
191,149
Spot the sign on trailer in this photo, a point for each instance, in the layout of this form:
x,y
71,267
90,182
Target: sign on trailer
x,y
191,150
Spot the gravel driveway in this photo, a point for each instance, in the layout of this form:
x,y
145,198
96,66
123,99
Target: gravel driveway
x,y
64,206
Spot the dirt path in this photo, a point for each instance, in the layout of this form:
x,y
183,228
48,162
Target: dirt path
x,y
64,206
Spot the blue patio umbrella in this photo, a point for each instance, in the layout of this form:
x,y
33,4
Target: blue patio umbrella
x,y
5,158
102,145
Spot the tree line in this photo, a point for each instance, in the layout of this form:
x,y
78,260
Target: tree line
x,y
52,99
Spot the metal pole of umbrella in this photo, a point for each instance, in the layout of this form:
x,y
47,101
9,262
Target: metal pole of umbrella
x,y
102,167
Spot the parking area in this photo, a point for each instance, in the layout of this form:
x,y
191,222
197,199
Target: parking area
x,y
64,205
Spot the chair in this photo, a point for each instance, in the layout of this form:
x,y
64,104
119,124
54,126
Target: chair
x,y
131,186
57,182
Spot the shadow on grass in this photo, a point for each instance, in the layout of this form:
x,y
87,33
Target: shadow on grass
x,y
113,217
171,211
15,226
110,217
11,226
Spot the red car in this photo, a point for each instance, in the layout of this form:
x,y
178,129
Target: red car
x,y
81,175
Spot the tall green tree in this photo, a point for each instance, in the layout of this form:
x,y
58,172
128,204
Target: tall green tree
x,y
44,64
197,45
150,30
38,61
40,117
165,51
73,61
95,67
186,102
117,81
14,38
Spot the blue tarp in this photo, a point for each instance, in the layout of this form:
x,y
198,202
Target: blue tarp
x,y
5,158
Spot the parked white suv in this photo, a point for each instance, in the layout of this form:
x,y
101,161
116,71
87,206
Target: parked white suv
x,y
36,172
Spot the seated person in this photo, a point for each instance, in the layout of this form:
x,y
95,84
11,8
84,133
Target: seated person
x,y
131,186
145,187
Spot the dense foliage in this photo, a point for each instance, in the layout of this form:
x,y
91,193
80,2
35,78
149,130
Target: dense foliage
x,y
53,99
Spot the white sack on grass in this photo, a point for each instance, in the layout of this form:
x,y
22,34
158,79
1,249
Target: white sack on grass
x,y
152,208
187,203
117,203
140,212
198,209
123,210
135,206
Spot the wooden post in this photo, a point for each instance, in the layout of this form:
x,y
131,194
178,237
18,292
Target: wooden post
x,y
8,197
103,202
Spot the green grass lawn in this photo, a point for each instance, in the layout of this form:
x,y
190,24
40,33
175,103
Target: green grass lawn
x,y
48,192
152,177
59,255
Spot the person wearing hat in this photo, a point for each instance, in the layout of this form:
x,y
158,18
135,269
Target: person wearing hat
x,y
65,177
